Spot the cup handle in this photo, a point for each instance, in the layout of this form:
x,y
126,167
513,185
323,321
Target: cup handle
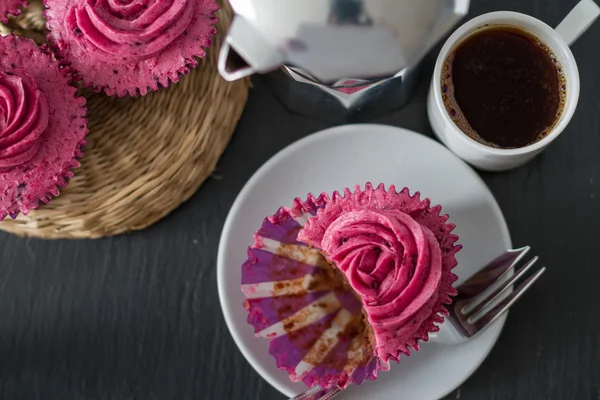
x,y
581,17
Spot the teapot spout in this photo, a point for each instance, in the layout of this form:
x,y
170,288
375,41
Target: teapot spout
x,y
245,52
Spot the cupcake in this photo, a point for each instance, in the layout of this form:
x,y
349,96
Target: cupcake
x,y
127,47
342,285
12,7
396,253
42,126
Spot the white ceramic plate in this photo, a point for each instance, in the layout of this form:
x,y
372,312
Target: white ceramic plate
x,y
343,157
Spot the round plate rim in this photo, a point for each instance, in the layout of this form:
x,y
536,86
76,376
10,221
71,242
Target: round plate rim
x,y
282,154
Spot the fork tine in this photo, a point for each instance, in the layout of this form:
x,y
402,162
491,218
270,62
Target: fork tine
x,y
484,282
477,311
505,304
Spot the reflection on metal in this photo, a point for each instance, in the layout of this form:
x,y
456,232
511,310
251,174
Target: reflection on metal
x,y
344,54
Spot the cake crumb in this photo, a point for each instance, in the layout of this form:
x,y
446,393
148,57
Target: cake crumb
x,y
288,326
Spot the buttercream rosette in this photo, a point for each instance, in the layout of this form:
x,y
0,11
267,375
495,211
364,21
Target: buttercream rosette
x,y
397,253
127,47
342,284
42,126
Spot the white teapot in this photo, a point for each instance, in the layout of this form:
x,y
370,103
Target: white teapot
x,y
347,51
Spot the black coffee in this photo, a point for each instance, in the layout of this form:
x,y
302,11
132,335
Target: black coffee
x,y
503,87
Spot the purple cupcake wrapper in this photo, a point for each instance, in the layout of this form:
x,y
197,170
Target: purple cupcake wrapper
x,y
307,320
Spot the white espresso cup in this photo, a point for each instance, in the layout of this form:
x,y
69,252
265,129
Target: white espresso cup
x,y
558,40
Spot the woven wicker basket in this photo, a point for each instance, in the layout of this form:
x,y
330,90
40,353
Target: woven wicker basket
x,y
145,156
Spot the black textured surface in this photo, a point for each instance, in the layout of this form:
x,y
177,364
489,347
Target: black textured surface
x,y
138,317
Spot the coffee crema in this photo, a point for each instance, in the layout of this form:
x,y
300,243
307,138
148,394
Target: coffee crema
x,y
503,87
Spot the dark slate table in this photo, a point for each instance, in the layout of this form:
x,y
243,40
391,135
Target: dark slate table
x,y
137,316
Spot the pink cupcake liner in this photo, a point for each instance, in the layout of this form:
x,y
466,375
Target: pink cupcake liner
x,y
12,7
38,177
125,48
309,318
309,321
402,308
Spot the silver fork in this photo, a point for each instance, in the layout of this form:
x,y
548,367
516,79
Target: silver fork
x,y
481,300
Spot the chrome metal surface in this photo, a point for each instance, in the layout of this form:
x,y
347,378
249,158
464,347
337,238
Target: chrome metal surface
x,y
336,60
336,39
355,101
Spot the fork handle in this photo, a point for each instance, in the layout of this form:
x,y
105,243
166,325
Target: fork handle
x,y
447,335
318,393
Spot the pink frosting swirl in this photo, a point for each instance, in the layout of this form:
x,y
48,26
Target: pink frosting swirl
x,y
23,118
393,262
132,29
397,253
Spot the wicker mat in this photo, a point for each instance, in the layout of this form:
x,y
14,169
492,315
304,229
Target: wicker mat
x,y
145,156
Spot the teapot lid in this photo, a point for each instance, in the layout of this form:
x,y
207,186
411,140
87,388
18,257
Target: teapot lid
x,y
334,39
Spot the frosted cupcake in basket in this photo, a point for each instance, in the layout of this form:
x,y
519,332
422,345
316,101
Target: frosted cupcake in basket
x,y
341,285
128,47
42,127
